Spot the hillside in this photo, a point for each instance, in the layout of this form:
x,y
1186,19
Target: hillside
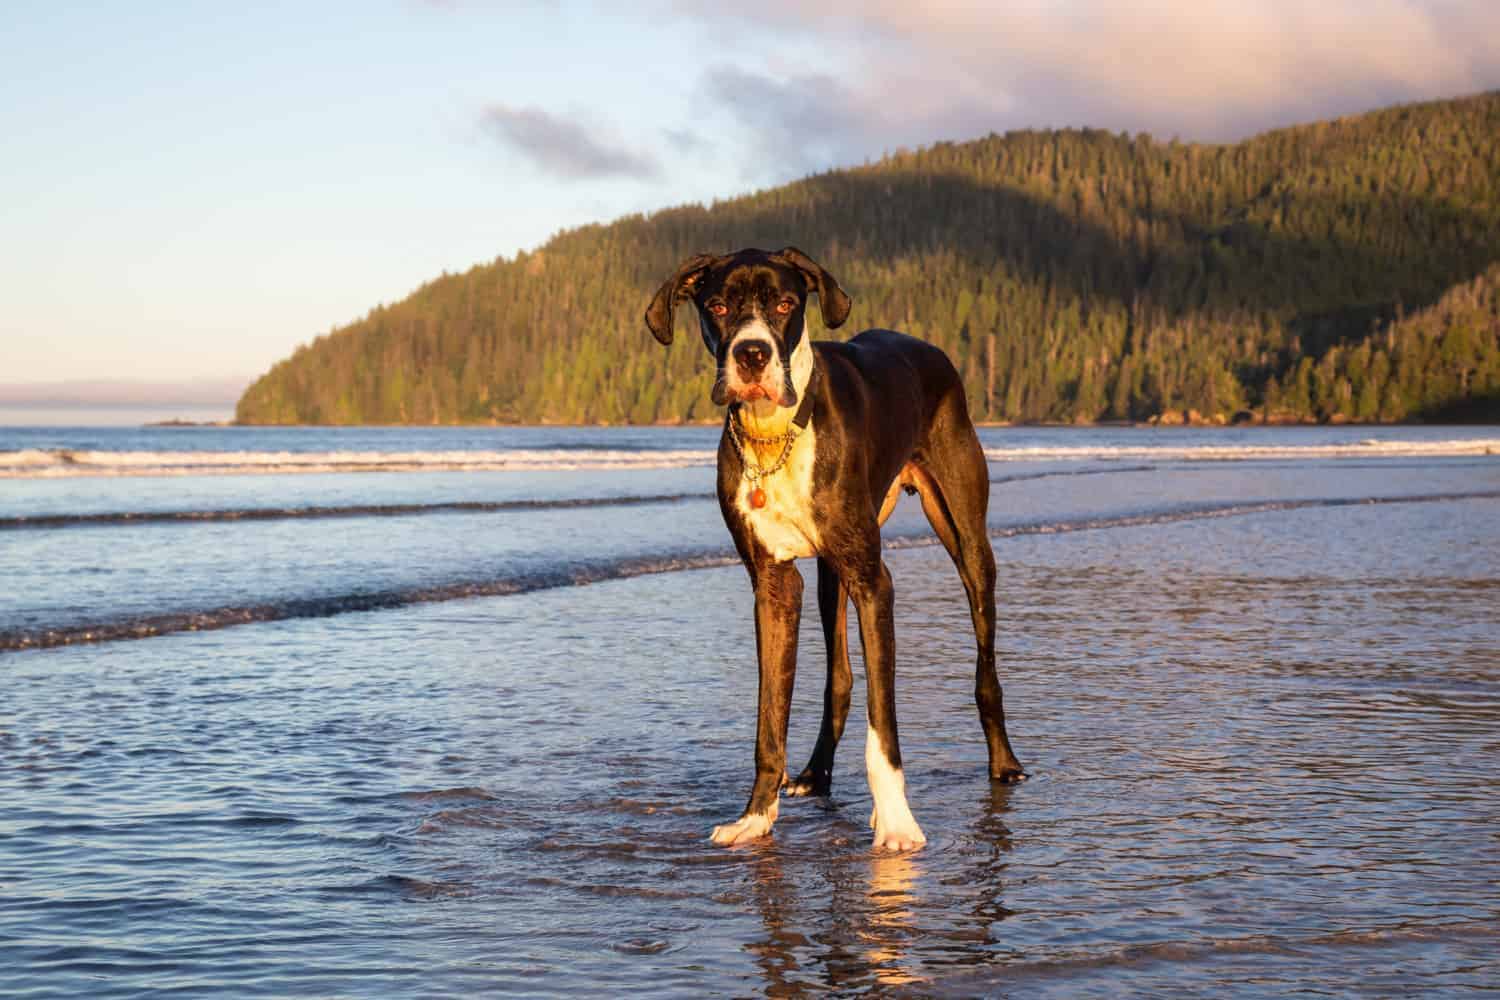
x,y
1340,270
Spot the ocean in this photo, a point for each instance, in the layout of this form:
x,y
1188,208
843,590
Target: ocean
x,y
451,711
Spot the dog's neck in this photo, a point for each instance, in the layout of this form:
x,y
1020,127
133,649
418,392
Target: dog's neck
x,y
767,418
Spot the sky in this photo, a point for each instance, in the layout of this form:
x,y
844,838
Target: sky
x,y
191,190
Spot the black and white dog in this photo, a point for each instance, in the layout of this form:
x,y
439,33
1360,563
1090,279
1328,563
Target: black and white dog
x,y
818,442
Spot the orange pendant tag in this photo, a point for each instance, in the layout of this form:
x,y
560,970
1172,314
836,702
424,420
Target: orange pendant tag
x,y
757,498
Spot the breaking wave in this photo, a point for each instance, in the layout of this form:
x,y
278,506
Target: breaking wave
x,y
1367,448
38,463
63,462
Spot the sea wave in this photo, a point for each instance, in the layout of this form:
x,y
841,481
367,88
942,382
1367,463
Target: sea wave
x,y
66,462
575,574
132,517
39,463
61,462
125,518
1367,448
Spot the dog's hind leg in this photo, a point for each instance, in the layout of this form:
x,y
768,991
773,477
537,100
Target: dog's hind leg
x,y
953,481
833,607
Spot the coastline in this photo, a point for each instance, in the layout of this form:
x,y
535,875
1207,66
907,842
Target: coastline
x,y
1150,423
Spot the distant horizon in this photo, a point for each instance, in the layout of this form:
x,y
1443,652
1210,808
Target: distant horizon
x,y
138,415
118,402
213,392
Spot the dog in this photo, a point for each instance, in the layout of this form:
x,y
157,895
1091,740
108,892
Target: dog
x,y
818,442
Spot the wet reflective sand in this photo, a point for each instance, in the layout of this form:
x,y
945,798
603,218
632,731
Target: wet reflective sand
x,y
1263,750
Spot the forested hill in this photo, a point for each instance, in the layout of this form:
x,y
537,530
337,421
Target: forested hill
x,y
1341,270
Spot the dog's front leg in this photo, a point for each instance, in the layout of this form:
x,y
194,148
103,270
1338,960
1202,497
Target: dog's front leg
x,y
778,612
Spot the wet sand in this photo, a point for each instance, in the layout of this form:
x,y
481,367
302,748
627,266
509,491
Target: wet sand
x,y
1263,753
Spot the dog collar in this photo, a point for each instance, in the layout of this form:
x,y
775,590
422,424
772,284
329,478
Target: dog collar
x,y
803,416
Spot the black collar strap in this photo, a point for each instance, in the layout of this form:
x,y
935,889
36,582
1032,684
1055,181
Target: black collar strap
x,y
804,409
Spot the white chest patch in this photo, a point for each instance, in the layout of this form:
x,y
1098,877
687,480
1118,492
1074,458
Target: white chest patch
x,y
785,524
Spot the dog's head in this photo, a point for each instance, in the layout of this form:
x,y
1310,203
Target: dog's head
x,y
751,307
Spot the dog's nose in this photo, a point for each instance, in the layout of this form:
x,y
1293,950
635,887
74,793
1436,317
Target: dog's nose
x,y
752,355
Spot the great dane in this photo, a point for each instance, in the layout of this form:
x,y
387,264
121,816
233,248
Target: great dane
x,y
818,442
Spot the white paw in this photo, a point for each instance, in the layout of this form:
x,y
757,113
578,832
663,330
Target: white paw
x,y
905,835
892,821
748,827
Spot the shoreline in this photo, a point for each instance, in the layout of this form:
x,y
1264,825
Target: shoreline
x,y
1151,423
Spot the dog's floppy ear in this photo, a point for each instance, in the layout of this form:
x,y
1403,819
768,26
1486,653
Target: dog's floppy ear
x,y
676,289
830,296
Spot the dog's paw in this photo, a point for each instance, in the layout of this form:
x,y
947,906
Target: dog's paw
x,y
1009,776
748,827
806,784
903,835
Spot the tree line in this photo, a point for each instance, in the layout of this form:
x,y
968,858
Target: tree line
x,y
1343,270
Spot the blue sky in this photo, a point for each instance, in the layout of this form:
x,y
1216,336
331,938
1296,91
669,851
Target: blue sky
x,y
191,190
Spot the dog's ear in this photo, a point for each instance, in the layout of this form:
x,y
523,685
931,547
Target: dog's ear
x,y
677,288
830,296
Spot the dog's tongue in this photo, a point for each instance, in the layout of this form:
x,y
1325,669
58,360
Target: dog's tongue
x,y
754,392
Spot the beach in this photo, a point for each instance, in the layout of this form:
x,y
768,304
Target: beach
x,y
462,725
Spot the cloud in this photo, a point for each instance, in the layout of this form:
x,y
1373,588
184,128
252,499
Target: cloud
x,y
796,124
687,141
565,147
1204,70
804,122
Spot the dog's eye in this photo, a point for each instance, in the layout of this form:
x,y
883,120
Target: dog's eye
x,y
784,306
718,308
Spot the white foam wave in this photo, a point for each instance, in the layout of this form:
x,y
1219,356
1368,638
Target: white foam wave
x,y
60,463
1368,448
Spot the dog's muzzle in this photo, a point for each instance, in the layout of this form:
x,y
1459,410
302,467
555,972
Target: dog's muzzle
x,y
750,358
754,371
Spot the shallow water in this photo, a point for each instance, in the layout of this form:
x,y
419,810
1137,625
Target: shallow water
x,y
1261,712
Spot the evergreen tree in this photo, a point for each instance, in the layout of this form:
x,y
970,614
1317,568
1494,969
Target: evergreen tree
x,y
1341,270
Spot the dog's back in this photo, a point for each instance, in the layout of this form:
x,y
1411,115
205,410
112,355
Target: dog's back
x,y
897,392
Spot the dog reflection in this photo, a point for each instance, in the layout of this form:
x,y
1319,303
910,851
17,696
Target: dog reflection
x,y
846,920
891,896
840,923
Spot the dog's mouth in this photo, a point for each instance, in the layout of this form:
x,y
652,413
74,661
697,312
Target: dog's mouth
x,y
725,393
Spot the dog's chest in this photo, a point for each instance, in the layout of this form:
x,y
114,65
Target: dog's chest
x,y
784,526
